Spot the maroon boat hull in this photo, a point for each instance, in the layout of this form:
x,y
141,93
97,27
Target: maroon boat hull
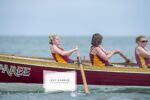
x,y
93,77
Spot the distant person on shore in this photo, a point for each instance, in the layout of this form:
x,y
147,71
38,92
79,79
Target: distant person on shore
x,y
98,55
58,53
142,54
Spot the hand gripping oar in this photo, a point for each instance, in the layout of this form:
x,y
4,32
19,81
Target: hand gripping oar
x,y
86,89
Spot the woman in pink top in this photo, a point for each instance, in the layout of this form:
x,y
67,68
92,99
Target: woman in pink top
x,y
142,54
98,55
58,53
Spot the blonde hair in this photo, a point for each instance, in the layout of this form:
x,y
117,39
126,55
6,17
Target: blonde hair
x,y
51,38
138,38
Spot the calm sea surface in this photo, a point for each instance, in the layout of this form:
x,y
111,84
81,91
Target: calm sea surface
x,y
39,46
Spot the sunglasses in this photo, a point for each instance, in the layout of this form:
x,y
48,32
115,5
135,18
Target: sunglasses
x,y
144,41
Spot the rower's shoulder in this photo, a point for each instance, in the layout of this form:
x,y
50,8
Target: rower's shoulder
x,y
94,50
54,46
98,49
138,48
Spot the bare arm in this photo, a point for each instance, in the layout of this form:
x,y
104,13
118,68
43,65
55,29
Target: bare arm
x,y
110,53
61,52
143,52
100,53
107,52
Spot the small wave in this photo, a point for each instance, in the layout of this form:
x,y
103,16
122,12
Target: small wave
x,y
96,93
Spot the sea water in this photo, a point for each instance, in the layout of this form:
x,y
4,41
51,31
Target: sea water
x,y
39,46
96,93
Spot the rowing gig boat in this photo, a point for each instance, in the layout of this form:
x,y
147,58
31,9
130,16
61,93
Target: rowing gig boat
x,y
25,69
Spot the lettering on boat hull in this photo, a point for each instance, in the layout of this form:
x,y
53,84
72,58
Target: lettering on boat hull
x,y
13,70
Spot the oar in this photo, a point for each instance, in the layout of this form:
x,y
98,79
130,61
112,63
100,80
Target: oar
x,y
124,57
83,59
86,89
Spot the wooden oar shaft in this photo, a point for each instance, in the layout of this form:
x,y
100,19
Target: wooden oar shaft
x,y
86,89
124,57
84,79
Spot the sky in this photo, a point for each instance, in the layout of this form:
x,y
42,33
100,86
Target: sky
x,y
74,17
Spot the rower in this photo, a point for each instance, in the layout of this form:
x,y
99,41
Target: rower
x,y
142,54
98,55
58,53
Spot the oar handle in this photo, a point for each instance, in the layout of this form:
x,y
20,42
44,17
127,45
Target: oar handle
x,y
124,57
79,61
